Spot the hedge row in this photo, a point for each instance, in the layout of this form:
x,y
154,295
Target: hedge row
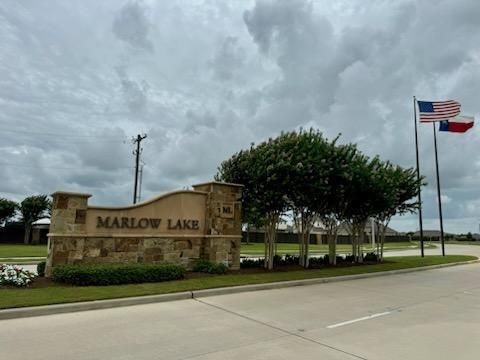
x,y
210,267
116,274
313,261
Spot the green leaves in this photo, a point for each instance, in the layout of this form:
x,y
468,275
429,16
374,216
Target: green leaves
x,y
34,207
302,170
8,209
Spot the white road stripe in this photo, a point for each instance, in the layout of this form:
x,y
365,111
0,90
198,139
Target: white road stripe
x,y
359,319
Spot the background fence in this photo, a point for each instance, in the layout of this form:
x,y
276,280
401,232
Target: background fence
x,y
282,237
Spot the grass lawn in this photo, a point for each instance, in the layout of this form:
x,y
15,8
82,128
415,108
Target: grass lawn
x,y
292,248
20,250
17,261
12,251
10,298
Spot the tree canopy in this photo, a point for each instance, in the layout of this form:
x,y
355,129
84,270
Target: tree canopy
x,y
304,173
8,208
33,208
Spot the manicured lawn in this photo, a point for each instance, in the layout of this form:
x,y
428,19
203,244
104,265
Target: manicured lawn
x,y
18,261
20,250
10,298
292,248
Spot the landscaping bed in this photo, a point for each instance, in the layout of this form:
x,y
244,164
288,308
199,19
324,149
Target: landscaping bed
x,y
44,291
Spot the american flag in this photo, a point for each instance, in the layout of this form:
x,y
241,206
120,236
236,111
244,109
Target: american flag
x,y
438,110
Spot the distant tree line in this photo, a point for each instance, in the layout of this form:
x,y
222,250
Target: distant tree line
x,y
30,210
313,178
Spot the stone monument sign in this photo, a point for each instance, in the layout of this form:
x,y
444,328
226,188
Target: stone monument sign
x,y
177,227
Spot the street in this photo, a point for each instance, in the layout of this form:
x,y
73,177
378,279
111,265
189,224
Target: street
x,y
431,314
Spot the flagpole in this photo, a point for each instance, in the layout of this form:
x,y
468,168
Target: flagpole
x,y
420,220
438,190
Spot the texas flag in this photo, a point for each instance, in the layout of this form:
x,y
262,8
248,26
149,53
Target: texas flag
x,y
458,124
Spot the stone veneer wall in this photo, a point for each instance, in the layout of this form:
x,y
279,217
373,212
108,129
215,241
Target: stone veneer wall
x,y
71,243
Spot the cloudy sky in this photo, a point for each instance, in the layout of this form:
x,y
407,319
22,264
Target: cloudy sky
x,y
205,78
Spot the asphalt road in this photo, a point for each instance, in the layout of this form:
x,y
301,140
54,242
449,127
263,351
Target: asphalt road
x,y
431,314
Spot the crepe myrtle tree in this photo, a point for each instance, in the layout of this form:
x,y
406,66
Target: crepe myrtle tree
x,y
398,186
361,199
289,173
8,209
311,157
265,172
33,208
336,199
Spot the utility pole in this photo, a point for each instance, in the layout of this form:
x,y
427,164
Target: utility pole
x,y
136,152
139,197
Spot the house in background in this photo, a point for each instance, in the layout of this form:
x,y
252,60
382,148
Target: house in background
x,y
343,233
40,230
432,235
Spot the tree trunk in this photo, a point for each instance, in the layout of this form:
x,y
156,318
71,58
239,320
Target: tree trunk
x,y
248,233
382,238
301,244
28,231
332,251
361,239
303,222
307,244
270,236
332,242
272,246
265,242
353,238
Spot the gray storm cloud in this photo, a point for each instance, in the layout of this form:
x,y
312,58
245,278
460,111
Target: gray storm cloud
x,y
134,92
228,60
131,25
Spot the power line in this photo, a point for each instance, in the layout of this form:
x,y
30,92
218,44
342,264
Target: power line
x,y
62,135
66,141
56,167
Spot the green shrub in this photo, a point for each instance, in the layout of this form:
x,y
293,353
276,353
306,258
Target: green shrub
x,y
370,257
339,259
316,261
247,263
41,268
115,274
279,260
202,265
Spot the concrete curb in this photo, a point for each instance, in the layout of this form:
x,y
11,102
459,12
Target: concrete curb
x,y
149,299
90,305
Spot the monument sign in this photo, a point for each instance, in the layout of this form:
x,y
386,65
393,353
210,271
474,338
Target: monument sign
x,y
177,227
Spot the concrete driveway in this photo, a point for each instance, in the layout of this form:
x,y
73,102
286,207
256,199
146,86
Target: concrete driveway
x,y
431,314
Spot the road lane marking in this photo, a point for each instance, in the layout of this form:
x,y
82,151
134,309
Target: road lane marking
x,y
359,319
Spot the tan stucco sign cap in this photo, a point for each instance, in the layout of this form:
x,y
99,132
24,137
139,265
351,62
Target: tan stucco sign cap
x,y
219,183
70,193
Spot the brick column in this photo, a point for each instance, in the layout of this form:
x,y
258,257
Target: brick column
x,y
67,228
